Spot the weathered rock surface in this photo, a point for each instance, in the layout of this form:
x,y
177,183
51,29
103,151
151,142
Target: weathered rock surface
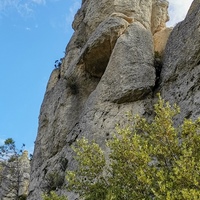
x,y
108,70
25,173
193,7
160,40
15,178
181,65
133,77
159,16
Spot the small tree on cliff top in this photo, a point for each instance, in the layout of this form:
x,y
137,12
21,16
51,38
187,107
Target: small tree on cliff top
x,y
147,160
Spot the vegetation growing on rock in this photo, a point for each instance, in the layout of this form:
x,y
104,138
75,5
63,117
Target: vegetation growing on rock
x,y
147,160
53,196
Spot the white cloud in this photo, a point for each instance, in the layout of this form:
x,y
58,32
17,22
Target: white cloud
x,y
23,7
178,10
28,29
4,4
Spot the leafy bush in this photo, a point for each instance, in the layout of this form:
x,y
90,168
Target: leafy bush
x,y
54,180
73,84
147,160
53,196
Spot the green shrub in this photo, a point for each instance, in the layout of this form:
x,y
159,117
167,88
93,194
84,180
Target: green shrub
x,y
53,196
73,84
53,181
147,160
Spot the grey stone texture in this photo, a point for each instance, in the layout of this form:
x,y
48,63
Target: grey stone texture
x,y
15,177
180,77
109,70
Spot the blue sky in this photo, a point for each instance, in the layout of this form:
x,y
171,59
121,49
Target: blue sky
x,y
33,34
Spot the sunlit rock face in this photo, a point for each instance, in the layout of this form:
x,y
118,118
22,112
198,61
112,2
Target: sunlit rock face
x,y
109,69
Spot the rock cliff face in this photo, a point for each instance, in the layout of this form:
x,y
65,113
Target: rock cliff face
x,y
180,76
110,68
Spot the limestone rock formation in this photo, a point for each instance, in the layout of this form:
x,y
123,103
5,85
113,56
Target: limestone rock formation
x,y
193,7
181,65
160,40
15,178
109,69
25,173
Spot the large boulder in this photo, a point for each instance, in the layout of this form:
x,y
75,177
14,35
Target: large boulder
x,y
130,73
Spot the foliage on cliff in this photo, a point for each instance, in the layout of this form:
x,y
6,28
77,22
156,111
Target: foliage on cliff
x,y
53,196
147,160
